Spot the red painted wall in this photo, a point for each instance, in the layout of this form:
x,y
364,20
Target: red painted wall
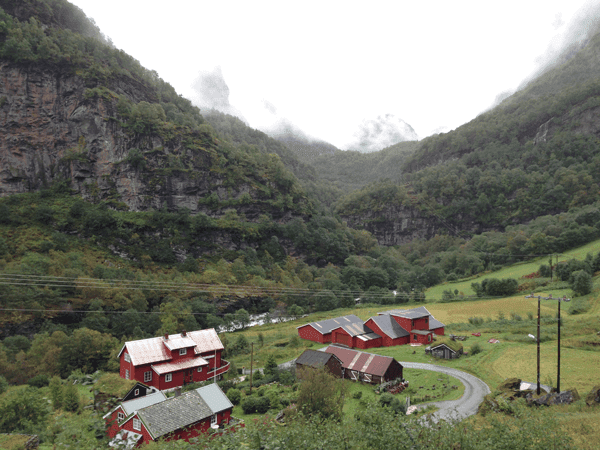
x,y
111,421
126,365
308,332
386,341
420,339
439,331
421,324
129,427
340,336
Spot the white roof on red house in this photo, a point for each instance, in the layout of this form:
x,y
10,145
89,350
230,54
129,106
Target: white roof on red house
x,y
179,365
154,350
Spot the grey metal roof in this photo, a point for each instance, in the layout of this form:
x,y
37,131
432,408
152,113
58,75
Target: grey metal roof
x,y
327,325
174,413
215,398
414,313
131,406
433,323
421,332
314,358
389,326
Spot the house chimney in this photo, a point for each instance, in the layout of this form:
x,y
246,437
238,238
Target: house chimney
x,y
166,336
183,333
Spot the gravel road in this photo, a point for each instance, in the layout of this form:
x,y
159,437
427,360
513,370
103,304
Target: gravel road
x,y
467,405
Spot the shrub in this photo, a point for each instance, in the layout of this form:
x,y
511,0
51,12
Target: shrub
x,y
39,381
581,282
249,405
3,385
234,395
263,404
357,395
475,348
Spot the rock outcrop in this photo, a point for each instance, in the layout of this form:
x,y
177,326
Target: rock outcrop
x,y
54,123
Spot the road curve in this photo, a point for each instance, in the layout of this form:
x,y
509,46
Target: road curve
x,y
467,405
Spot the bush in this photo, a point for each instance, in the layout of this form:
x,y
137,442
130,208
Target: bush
x,y
263,404
234,395
39,381
357,395
249,405
581,282
3,385
475,348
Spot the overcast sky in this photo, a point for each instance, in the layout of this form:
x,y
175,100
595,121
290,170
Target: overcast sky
x,y
327,65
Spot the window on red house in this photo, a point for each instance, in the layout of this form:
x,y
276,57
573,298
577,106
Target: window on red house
x,y
168,377
127,374
182,351
137,424
415,336
148,376
127,358
120,416
200,369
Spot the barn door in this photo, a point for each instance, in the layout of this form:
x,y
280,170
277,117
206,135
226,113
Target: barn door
x,y
367,377
354,375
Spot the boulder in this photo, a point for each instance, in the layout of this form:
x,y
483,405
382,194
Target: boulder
x,y
563,398
510,384
593,398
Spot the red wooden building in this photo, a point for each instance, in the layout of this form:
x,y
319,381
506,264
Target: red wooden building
x,y
321,331
171,361
182,417
367,367
395,327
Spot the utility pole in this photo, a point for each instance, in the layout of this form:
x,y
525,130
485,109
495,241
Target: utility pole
x,y
251,360
538,342
538,349
564,299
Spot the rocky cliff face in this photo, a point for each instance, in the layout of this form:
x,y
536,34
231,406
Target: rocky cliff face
x,y
52,125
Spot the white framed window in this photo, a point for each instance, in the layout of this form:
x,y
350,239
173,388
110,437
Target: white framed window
x,y
182,351
136,392
137,424
415,337
127,358
120,416
200,369
213,419
148,376
127,374
168,377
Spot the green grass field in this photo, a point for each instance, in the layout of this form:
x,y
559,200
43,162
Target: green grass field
x,y
515,271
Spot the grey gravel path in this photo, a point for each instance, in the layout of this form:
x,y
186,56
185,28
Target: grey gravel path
x,y
467,405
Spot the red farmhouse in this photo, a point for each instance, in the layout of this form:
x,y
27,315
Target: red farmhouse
x,y
171,361
395,327
154,416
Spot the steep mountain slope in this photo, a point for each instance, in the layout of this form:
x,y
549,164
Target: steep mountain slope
x,y
73,108
536,153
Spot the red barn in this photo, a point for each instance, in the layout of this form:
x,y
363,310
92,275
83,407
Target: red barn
x,y
391,333
416,319
171,361
368,367
321,331
395,327
355,335
181,417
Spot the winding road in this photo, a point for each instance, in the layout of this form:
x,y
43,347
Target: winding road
x,y
467,405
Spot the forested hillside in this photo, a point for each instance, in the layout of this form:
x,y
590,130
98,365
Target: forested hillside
x,y
123,208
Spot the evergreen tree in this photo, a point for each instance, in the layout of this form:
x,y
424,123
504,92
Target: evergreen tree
x,y
70,398
56,392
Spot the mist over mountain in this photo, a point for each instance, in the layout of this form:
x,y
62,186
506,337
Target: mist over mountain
x,y
212,92
384,131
